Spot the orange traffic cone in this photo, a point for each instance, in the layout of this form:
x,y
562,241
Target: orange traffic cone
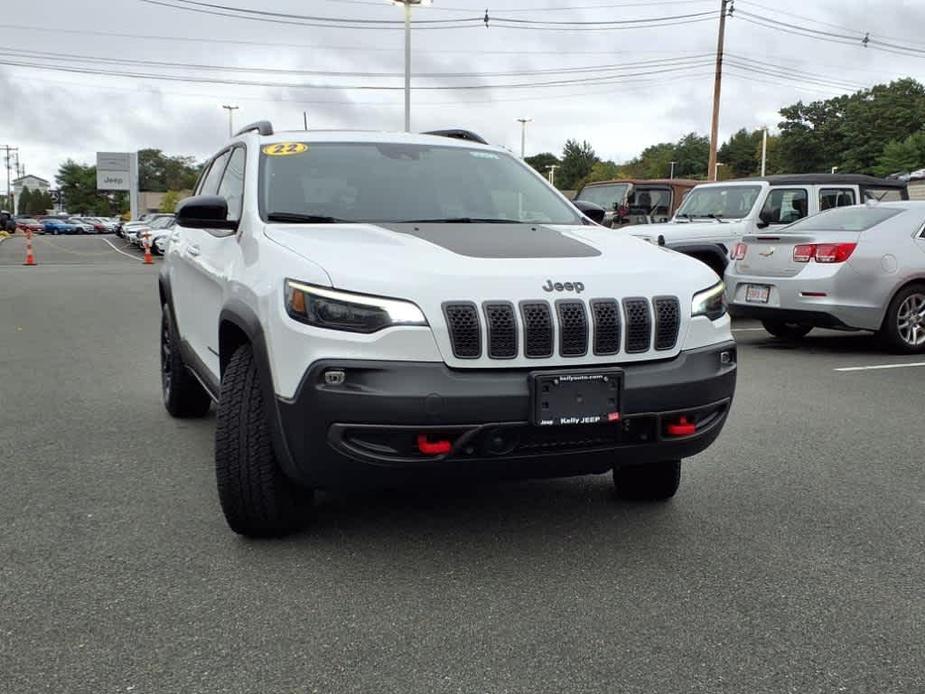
x,y
30,256
149,259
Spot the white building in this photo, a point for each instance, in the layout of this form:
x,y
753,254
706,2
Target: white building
x,y
33,183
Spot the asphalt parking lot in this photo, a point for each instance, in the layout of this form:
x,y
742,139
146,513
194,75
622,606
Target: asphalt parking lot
x,y
792,559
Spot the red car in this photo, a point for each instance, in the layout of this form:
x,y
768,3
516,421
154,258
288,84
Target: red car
x,y
28,224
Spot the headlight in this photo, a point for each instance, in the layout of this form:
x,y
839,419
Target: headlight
x,y
358,313
710,302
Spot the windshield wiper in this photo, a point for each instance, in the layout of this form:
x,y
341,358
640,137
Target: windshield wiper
x,y
462,220
299,218
686,216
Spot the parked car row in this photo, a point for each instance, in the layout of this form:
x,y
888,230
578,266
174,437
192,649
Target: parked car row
x,y
68,225
155,228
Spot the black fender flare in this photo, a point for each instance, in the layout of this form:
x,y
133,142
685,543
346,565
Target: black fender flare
x,y
713,251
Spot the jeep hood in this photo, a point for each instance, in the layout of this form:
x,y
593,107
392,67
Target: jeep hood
x,y
479,262
676,232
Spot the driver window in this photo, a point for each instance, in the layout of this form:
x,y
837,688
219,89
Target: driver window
x,y
785,206
232,186
211,181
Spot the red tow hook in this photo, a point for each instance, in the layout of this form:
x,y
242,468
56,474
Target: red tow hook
x,y
682,427
439,447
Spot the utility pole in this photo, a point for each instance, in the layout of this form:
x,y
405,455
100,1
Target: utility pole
x,y
10,201
408,4
523,134
551,169
671,175
717,86
231,110
764,150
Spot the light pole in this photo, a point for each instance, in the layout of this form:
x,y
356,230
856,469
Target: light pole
x,y
551,169
764,150
408,4
523,134
231,110
671,175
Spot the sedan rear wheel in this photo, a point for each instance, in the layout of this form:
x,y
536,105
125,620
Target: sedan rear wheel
x,y
786,330
904,323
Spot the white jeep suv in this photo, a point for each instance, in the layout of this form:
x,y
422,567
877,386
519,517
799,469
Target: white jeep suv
x,y
379,307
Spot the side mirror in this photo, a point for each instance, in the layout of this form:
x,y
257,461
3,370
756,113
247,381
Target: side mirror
x,y
593,212
205,212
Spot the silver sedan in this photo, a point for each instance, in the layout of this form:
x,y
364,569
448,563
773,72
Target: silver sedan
x,y
851,268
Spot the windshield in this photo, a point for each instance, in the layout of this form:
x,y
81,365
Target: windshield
x,y
857,218
605,195
396,182
727,202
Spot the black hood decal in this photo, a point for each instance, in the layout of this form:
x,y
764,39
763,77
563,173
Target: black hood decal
x,y
498,240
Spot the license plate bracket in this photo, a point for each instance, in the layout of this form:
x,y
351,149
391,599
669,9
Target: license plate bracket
x,y
757,293
576,397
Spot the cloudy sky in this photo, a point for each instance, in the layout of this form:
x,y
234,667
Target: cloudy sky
x,y
619,83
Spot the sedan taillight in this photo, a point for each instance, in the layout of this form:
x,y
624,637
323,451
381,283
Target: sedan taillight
x,y
823,252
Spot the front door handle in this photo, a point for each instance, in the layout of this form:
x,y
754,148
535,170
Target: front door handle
x,y
192,249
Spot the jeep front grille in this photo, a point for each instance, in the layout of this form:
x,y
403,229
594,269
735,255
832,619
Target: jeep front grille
x,y
462,319
571,328
537,329
606,315
638,325
667,322
502,330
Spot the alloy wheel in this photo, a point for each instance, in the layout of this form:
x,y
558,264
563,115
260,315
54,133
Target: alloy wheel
x,y
910,320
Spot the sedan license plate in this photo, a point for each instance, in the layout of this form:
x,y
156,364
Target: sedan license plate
x,y
757,293
577,397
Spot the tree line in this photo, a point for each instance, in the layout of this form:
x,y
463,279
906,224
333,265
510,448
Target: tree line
x,y
878,131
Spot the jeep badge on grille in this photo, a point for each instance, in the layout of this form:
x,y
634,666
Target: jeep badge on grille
x,y
551,286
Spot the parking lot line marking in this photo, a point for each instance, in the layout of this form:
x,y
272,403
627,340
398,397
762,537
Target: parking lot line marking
x,y
122,252
877,367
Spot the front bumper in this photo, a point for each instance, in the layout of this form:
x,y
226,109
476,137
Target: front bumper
x,y
365,429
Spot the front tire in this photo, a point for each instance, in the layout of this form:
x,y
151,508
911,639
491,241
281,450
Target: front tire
x,y
258,500
650,482
786,330
184,396
903,326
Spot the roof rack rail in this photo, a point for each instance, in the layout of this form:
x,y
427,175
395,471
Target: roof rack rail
x,y
458,134
264,127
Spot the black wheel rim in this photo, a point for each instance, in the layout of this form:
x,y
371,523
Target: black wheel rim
x,y
165,355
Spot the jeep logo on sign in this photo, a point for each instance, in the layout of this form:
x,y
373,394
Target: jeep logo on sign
x,y
551,286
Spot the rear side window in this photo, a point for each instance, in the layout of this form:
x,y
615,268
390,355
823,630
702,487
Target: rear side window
x,y
785,206
830,198
858,218
211,180
883,194
232,186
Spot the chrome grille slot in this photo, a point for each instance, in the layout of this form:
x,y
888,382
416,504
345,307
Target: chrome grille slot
x,y
667,322
538,330
462,319
502,330
573,328
638,325
606,318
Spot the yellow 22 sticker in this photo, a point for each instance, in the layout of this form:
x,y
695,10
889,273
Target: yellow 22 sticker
x,y
285,149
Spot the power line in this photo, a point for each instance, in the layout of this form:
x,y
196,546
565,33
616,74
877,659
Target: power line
x,y
68,57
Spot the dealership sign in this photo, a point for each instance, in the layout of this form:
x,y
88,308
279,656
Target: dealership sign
x,y
113,171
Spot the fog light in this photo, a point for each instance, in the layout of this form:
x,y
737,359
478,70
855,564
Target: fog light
x,y
727,357
334,377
